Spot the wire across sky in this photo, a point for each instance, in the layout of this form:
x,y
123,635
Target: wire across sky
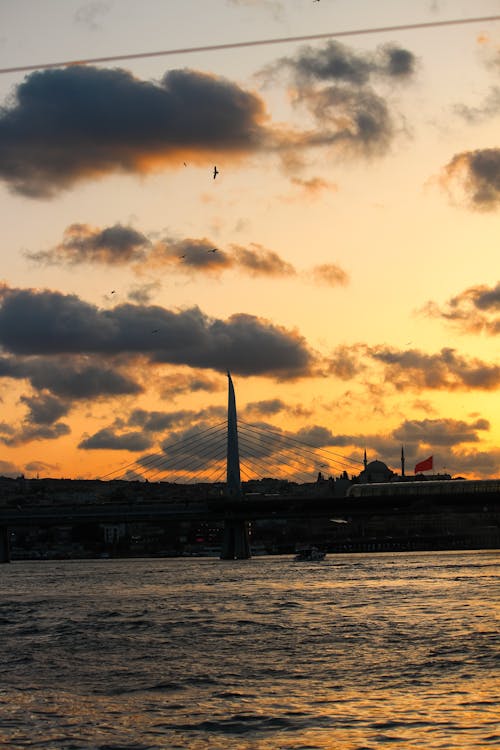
x,y
254,43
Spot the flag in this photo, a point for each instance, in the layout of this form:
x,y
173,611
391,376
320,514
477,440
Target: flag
x,y
424,465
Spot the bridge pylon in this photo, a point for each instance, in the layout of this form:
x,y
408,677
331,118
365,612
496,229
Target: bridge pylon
x,y
236,542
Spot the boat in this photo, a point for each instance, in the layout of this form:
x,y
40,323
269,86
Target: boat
x,y
309,554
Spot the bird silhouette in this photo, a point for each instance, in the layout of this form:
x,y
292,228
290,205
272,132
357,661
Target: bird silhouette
x,y
212,251
216,172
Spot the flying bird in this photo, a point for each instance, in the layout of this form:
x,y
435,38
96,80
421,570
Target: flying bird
x,y
216,172
155,330
113,291
212,251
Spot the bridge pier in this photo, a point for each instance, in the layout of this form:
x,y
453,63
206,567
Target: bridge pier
x,y
236,542
4,545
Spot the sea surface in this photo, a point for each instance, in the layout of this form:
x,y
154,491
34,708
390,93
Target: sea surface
x,y
356,652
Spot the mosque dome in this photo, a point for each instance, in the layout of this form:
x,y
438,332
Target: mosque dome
x,y
376,471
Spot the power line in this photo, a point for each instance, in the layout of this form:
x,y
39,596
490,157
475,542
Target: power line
x,y
254,43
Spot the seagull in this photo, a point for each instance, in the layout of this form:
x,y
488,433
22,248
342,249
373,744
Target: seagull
x,y
216,172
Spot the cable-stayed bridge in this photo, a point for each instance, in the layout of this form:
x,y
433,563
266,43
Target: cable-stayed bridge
x,y
225,456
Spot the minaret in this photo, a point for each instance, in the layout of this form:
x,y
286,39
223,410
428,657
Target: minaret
x,y
402,461
365,463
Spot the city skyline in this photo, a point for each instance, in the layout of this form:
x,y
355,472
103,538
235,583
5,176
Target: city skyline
x,y
319,218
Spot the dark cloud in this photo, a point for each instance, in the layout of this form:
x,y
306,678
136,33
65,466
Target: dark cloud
x,y
478,176
190,255
68,378
116,245
269,407
414,370
261,262
411,369
40,467
64,125
440,432
180,383
29,433
476,309
142,294
335,84
336,62
202,255
44,408
345,363
8,469
272,406
159,421
106,439
50,323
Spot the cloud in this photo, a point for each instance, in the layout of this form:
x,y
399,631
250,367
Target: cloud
x,y
29,433
119,245
158,421
335,84
314,185
179,383
44,408
489,108
268,407
189,255
65,125
115,245
415,370
72,378
203,256
48,323
475,310
272,406
8,469
106,439
477,175
40,467
330,274
81,122
440,432
142,294
261,262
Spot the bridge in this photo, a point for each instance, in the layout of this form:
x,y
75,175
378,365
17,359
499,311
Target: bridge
x,y
232,507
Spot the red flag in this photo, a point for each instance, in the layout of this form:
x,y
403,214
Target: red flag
x,y
424,465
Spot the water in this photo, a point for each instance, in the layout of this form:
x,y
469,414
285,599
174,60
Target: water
x,y
356,652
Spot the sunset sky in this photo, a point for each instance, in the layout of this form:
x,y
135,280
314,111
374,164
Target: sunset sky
x,y
343,264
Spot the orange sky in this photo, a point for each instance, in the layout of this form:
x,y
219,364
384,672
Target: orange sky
x,y
343,264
